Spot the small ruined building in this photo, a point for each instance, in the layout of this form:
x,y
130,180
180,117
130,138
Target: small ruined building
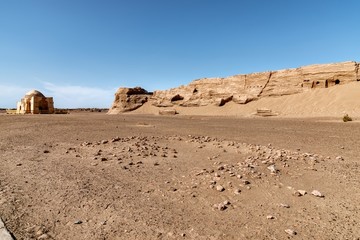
x,y
35,102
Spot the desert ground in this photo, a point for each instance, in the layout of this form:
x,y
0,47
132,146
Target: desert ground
x,y
131,176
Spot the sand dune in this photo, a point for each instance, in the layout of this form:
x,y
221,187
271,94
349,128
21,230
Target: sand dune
x,y
324,102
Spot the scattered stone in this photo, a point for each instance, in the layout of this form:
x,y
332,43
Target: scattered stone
x,y
284,205
316,193
212,182
300,193
339,158
272,168
104,141
220,188
78,222
290,232
221,207
221,168
46,151
226,202
246,182
104,159
270,217
237,191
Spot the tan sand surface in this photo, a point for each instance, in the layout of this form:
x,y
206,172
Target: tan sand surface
x,y
98,176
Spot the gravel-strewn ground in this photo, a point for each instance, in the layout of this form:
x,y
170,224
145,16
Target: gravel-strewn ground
x,y
98,176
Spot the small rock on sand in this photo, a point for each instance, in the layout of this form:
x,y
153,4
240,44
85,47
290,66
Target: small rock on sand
x,y
284,205
220,188
290,232
300,193
316,193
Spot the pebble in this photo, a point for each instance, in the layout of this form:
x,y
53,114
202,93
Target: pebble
x,y
300,193
339,158
284,205
221,207
290,232
237,191
272,168
226,202
78,222
246,182
316,193
270,217
220,188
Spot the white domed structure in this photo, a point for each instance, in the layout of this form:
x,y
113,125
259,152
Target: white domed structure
x,y
35,102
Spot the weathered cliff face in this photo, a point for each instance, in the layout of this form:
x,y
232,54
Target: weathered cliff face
x,y
242,89
245,88
129,99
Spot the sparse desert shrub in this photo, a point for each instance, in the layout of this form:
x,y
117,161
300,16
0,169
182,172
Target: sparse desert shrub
x,y
347,118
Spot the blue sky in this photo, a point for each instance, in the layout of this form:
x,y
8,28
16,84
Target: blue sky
x,y
81,51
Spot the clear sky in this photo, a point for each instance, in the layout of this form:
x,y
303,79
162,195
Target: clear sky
x,y
81,51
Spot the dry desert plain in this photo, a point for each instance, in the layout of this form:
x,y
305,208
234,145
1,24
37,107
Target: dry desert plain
x,y
129,176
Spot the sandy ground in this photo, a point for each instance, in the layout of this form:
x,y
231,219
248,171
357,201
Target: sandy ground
x,y
98,176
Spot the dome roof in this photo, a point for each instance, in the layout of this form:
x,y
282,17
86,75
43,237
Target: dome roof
x,y
34,93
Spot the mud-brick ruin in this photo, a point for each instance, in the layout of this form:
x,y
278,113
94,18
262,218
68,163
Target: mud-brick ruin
x,y
240,89
34,102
